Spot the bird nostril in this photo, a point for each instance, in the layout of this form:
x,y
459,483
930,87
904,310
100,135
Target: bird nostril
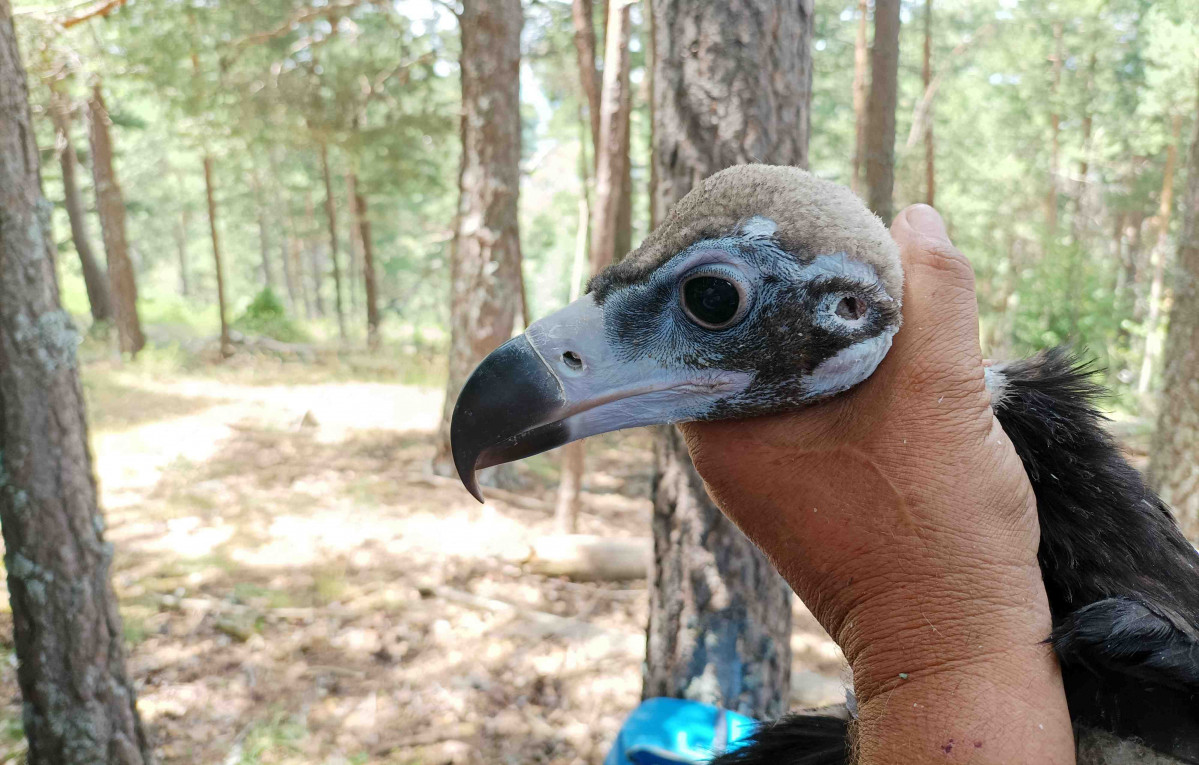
x,y
572,360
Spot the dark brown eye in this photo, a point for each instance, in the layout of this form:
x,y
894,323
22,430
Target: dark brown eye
x,y
711,301
851,308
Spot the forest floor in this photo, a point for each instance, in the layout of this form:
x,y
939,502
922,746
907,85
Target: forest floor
x,y
297,588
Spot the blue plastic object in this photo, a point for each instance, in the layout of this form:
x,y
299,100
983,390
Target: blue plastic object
x,y
670,731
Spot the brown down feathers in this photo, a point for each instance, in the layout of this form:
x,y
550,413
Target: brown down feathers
x,y
813,216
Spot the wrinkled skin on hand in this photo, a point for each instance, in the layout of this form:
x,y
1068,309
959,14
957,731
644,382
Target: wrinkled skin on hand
x,y
902,516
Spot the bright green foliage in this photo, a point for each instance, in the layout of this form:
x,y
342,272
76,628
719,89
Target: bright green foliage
x,y
261,86
266,315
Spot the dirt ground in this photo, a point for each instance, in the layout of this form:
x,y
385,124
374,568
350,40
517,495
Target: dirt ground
x,y
296,588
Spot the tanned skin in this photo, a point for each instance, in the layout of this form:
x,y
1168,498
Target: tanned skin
x,y
902,516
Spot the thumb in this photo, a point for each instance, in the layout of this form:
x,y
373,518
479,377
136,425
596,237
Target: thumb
x,y
940,308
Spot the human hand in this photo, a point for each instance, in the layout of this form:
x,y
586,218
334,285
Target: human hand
x,y
902,516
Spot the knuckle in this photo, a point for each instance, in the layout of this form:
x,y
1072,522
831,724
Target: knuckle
x,y
943,256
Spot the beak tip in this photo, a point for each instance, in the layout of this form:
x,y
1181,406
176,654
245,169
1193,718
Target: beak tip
x,y
473,487
465,465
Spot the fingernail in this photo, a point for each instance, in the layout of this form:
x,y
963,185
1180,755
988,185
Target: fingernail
x,y
925,220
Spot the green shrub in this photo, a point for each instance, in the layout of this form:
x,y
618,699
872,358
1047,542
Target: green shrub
x,y
266,315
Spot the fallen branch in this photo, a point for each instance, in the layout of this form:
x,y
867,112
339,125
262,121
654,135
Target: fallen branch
x,y
438,735
589,557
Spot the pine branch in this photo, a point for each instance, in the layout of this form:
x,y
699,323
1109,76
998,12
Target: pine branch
x,y
101,9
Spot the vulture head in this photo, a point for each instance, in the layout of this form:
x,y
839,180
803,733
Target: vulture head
x,y
764,289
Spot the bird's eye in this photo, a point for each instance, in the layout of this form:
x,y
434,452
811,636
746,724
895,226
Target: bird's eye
x,y
712,300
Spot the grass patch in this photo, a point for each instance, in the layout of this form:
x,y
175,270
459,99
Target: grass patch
x,y
261,597
133,618
271,741
328,585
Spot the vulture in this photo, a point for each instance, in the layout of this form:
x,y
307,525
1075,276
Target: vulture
x,y
767,289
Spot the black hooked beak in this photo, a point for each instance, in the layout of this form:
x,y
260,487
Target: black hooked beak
x,y
566,378
507,410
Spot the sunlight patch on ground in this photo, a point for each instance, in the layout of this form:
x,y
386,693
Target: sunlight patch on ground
x,y
306,593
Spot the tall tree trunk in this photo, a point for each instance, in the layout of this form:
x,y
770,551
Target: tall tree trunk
x,y
624,209
861,57
295,253
356,275
612,161
1159,256
1174,456
210,195
331,215
581,12
181,251
315,267
79,705
111,207
286,243
612,155
1055,121
368,262
94,278
581,16
264,242
1138,265
732,84
1078,225
930,174
574,454
651,57
880,111
485,278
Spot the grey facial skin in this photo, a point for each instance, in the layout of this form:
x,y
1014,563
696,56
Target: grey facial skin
x,y
807,327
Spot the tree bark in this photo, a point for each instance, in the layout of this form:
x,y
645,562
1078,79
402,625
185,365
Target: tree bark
x,y
315,267
111,207
880,111
94,278
181,251
370,284
861,57
1174,456
485,278
930,154
295,253
79,704
574,454
1159,255
1084,162
732,84
210,195
651,58
356,278
612,153
612,161
286,243
264,241
581,16
331,215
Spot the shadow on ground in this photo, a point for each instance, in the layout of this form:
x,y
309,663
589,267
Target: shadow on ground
x,y
296,588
